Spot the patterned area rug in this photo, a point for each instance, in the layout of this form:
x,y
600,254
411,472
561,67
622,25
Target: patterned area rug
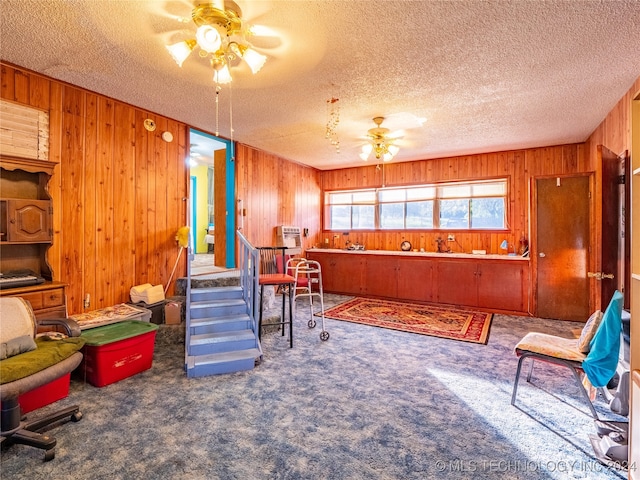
x,y
455,323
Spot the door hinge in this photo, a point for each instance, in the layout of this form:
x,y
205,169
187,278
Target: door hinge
x,y
622,179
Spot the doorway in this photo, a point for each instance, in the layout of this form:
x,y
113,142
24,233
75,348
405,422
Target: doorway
x,y
212,190
562,212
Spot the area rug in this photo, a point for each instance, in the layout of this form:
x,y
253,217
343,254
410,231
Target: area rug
x,y
455,323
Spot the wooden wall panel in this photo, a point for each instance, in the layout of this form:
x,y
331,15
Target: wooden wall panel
x,y
276,192
118,191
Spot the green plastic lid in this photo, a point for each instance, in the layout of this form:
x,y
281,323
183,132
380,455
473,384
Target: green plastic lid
x,y
115,332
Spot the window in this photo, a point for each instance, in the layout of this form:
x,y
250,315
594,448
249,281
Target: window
x,y
453,206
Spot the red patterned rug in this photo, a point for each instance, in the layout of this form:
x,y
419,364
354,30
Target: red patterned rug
x,y
455,323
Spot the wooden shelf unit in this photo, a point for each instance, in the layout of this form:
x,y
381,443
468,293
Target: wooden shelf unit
x,y
26,231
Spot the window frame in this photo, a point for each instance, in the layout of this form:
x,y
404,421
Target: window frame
x,y
438,188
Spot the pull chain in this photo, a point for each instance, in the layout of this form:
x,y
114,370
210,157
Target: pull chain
x,y
217,109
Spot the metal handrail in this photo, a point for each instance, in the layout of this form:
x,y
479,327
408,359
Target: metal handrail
x,y
249,260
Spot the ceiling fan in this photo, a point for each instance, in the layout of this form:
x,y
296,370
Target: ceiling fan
x,y
220,34
381,142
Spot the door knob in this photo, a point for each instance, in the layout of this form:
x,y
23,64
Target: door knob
x,y
541,255
600,275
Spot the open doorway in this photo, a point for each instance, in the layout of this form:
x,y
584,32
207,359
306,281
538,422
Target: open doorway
x,y
211,191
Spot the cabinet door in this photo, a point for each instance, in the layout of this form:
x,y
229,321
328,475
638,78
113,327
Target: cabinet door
x,y
415,279
500,285
29,220
457,282
341,272
380,276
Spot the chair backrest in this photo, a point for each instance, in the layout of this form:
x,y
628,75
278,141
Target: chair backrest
x,y
602,360
16,319
272,260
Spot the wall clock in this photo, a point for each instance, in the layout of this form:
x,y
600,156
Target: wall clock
x,y
405,246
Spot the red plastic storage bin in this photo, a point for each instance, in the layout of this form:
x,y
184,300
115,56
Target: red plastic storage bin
x,y
117,351
44,395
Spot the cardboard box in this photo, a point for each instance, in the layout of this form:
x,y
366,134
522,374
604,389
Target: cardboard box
x,y
117,351
173,313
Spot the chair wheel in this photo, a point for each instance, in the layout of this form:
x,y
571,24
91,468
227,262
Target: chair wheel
x,y
324,335
311,323
76,417
49,454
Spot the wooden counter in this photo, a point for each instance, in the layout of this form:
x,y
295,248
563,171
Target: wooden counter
x,y
491,282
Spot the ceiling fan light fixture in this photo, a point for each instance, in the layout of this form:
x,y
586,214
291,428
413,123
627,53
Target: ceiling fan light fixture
x,y
222,36
254,59
222,75
380,145
181,50
208,38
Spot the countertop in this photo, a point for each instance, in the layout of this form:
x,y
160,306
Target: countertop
x,y
489,256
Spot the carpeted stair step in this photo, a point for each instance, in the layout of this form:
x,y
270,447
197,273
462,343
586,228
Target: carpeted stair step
x,y
215,293
217,308
224,323
207,343
221,363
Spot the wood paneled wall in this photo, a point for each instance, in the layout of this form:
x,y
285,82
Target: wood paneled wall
x,y
519,166
118,190
274,191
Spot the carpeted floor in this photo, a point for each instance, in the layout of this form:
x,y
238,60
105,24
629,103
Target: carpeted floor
x,y
369,403
455,323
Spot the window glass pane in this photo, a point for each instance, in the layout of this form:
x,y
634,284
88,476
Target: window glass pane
x,y
363,217
455,191
487,213
391,195
340,217
364,197
423,193
420,214
340,198
454,213
489,189
392,215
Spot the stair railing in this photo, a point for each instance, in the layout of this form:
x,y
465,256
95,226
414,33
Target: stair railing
x,y
248,259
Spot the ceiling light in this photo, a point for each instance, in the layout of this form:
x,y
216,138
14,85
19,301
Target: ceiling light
x,y
221,36
380,144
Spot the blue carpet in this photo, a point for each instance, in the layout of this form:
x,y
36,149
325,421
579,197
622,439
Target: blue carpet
x,y
369,403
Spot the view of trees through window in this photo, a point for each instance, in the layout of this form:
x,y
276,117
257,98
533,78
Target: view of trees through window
x,y
453,206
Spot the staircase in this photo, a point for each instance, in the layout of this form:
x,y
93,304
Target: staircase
x,y
221,328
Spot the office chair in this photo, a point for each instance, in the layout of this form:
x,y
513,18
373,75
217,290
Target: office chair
x,y
28,363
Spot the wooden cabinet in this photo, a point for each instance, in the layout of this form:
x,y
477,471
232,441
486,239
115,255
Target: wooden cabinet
x,y
48,300
488,283
25,215
491,284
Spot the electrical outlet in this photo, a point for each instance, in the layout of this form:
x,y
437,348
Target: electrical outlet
x,y
451,238
87,301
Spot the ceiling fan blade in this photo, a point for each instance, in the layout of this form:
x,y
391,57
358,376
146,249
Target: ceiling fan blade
x,y
403,121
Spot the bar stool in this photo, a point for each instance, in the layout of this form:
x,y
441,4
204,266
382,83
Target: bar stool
x,y
273,273
308,273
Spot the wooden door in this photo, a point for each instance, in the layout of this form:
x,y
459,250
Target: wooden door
x,y
612,246
220,207
561,247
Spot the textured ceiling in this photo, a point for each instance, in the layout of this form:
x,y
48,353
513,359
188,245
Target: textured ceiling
x,y
486,75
